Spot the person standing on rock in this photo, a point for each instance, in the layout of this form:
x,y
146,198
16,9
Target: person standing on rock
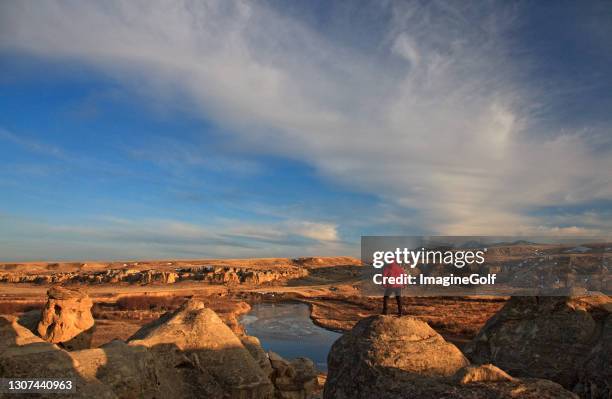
x,y
392,270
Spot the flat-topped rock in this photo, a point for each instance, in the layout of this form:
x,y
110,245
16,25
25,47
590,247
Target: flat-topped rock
x,y
67,315
64,293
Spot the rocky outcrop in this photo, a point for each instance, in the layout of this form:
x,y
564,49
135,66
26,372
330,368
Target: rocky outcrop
x,y
115,370
401,343
482,373
25,355
208,274
138,372
253,345
208,343
188,353
564,339
67,318
294,379
13,334
146,277
385,357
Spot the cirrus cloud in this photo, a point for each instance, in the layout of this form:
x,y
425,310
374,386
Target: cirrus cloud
x,y
438,121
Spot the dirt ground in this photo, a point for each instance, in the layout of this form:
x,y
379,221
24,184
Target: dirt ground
x,y
120,310
329,288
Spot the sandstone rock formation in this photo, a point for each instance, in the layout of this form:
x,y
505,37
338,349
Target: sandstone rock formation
x,y
202,337
482,373
67,318
138,372
385,357
253,345
188,353
564,339
24,355
13,334
209,274
402,343
294,379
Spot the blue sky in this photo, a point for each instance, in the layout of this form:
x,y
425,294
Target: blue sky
x,y
268,128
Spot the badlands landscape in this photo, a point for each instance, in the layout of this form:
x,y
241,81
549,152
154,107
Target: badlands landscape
x,y
187,185
177,328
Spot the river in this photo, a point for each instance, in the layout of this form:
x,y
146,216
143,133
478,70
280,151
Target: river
x,y
286,328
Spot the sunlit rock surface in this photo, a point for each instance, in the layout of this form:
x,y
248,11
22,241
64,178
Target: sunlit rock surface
x,y
386,357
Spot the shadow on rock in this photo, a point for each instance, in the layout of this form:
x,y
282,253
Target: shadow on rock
x,y
386,357
565,339
187,353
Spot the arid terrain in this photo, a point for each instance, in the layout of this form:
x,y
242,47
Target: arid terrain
x,y
127,295
132,300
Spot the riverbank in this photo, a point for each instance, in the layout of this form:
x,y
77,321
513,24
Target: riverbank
x,y
122,309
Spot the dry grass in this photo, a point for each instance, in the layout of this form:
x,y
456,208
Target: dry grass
x,y
108,330
458,319
19,307
120,319
153,303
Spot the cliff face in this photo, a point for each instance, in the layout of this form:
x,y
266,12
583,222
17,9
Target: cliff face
x,y
206,274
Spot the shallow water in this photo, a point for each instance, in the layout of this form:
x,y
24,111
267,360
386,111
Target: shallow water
x,y
286,328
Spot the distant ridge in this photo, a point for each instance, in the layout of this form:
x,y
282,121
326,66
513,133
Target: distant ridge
x,y
517,242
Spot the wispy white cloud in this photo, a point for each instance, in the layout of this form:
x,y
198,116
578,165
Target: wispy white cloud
x,y
440,121
325,232
108,237
32,145
279,231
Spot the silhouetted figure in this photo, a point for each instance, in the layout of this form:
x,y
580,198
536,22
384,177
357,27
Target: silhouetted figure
x,y
392,270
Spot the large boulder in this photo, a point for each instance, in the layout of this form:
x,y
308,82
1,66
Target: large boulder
x,y
386,357
67,318
405,344
565,339
203,340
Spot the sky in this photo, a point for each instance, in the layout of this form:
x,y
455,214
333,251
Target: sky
x,y
194,129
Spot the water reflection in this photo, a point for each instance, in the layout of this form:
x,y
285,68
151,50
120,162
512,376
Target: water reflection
x,y
286,328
